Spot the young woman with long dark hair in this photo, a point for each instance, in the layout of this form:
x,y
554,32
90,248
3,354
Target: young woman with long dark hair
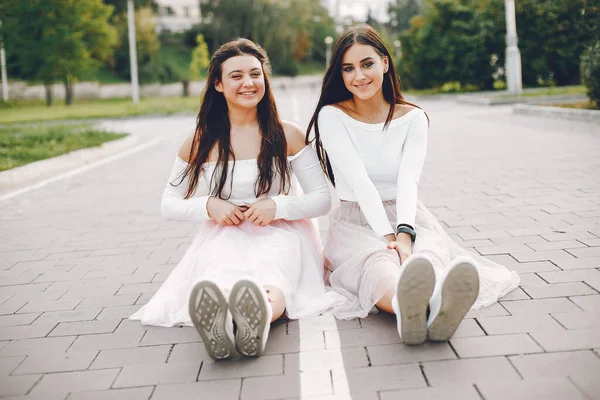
x,y
384,248
255,255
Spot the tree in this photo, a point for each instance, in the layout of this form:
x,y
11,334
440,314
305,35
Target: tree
x,y
454,41
147,45
199,64
59,40
553,35
401,12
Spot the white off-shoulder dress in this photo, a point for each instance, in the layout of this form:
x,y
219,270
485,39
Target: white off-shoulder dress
x,y
376,176
285,253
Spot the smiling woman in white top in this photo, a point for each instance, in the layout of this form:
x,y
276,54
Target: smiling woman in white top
x,y
384,249
254,242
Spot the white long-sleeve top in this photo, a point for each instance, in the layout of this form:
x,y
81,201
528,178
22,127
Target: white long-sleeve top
x,y
371,164
315,201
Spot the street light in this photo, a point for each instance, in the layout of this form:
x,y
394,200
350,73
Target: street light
x,y
3,68
135,90
328,42
514,81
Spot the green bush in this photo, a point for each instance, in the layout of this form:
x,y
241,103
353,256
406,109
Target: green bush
x,y
590,72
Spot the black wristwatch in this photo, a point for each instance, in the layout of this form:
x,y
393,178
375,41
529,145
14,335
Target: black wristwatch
x,y
406,228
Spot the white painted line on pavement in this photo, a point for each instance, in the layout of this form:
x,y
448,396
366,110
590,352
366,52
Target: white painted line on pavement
x,y
79,170
312,359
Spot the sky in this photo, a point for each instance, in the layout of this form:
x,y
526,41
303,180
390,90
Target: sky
x,y
358,9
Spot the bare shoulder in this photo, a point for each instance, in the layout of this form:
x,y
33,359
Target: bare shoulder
x,y
343,106
185,151
294,136
402,109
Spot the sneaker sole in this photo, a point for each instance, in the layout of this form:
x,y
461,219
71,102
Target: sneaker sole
x,y
208,311
413,293
248,306
459,292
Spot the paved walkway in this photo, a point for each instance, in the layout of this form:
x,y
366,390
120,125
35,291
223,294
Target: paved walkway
x,y
80,254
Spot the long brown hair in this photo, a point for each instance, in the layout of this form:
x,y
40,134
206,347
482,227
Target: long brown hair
x,y
213,129
334,90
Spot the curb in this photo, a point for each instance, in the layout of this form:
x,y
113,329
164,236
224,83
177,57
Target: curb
x,y
497,101
34,172
557,112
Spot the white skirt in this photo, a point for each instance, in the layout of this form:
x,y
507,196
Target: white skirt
x,y
284,254
361,266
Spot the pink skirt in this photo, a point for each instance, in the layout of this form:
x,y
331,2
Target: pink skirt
x,y
361,266
285,254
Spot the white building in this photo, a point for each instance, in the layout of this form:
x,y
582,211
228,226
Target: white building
x,y
177,15
357,10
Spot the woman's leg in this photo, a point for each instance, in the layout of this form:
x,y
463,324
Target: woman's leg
x,y
277,301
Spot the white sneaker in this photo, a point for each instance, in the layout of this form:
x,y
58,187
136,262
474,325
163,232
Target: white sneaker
x,y
210,315
410,303
453,299
252,314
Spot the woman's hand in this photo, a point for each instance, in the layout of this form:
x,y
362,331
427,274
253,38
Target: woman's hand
x,y
402,244
224,212
261,212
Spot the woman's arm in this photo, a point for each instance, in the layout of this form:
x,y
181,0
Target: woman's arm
x,y
176,207
409,171
344,157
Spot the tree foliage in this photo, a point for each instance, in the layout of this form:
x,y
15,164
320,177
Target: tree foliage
x,y
62,40
590,72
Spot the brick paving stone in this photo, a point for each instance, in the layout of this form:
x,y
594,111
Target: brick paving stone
x,y
358,337
468,328
157,373
108,301
310,383
531,279
519,324
585,252
52,305
558,290
170,336
79,381
456,392
222,389
137,355
188,352
9,364
35,330
36,347
579,263
141,393
242,368
17,385
494,310
539,306
587,303
558,245
516,294
579,320
476,370
548,255
65,362
404,354
568,340
531,389
69,316
496,345
18,319
104,341
84,327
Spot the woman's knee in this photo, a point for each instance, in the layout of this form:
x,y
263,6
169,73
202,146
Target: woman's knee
x,y
277,301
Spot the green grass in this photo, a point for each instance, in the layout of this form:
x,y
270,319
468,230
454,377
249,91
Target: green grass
x,y
36,110
550,91
583,105
24,145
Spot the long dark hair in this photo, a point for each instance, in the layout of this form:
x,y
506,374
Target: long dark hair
x,y
334,91
213,129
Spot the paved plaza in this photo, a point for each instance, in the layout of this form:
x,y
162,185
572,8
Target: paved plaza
x,y
80,254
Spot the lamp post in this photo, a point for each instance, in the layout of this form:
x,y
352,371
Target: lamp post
x,y
328,42
135,90
3,68
514,81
